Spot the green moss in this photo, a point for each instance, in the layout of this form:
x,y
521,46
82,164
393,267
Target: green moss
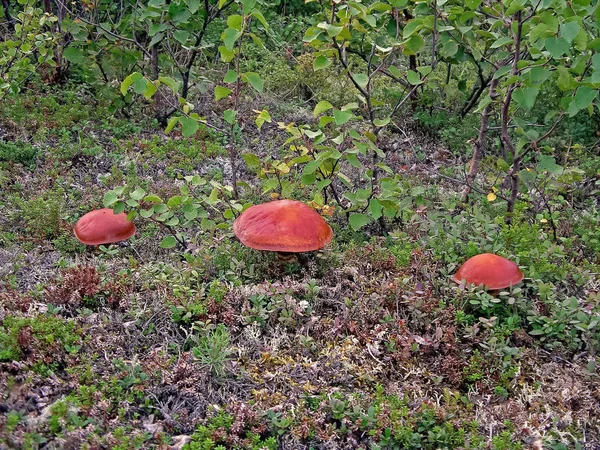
x,y
18,152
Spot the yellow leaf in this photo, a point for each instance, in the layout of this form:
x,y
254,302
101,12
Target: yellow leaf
x,y
283,168
543,220
491,197
274,195
328,210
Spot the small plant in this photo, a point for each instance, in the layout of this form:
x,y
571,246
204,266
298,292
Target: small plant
x,y
37,338
212,350
42,214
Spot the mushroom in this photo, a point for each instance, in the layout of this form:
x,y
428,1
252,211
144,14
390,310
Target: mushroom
x,y
282,226
492,271
103,226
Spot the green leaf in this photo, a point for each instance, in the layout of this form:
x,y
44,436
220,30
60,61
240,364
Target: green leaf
x,y
118,207
502,71
110,198
261,19
584,97
226,54
73,55
173,84
333,30
565,81
413,77
569,30
181,36
235,21
341,117
399,4
381,122
229,116
152,198
221,92
230,76
262,117
525,97
353,160
321,107
308,179
168,242
472,4
357,221
539,74
375,208
449,49
150,90
193,5
361,79
189,126
502,42
557,47
514,6
486,100
413,45
139,83
255,80
311,167
321,62
156,39
411,27
248,5
229,37
251,160
171,124
128,81
138,194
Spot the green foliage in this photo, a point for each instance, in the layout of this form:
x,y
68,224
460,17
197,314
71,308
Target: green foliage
x,y
42,215
44,333
28,48
210,205
214,436
18,152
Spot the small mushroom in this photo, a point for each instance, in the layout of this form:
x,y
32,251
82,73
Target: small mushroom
x,y
283,226
103,226
489,270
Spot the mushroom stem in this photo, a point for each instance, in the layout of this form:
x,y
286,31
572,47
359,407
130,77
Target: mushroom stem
x,y
286,258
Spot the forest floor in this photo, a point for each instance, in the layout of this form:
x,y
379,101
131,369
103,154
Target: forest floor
x,y
366,344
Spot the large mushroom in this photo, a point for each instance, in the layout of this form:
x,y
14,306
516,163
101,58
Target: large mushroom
x,y
283,226
489,270
103,226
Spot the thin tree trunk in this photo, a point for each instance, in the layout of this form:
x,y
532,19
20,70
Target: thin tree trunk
x,y
505,135
154,52
412,65
479,144
47,6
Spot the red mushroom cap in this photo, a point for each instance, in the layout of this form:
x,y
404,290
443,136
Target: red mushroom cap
x,y
103,226
492,271
282,226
